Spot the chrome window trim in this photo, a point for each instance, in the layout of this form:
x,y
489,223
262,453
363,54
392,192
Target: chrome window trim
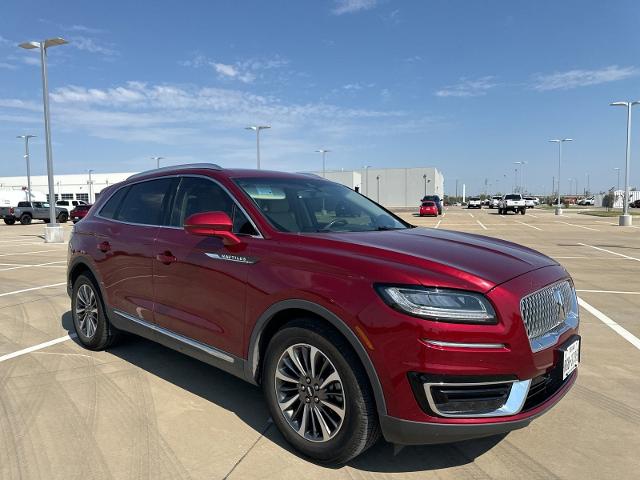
x,y
178,175
513,405
439,343
551,337
176,336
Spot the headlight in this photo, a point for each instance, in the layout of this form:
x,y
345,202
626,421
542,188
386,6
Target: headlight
x,y
437,304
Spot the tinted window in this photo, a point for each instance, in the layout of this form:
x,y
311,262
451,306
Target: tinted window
x,y
144,202
513,197
433,198
111,207
197,195
24,204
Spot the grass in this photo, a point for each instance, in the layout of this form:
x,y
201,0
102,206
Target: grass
x,y
604,213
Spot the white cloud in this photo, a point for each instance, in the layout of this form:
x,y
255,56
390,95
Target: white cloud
x,y
352,6
90,45
468,87
245,71
582,78
7,66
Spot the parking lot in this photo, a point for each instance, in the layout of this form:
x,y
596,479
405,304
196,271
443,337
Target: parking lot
x,y
141,410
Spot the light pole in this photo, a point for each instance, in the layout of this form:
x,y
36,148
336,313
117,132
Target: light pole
x,y
617,169
366,179
625,219
323,152
378,194
157,159
90,183
257,128
26,157
53,232
559,141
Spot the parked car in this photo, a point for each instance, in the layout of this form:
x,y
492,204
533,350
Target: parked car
x,y
587,201
25,212
512,202
428,208
474,202
69,205
79,212
352,326
635,204
495,200
529,202
434,198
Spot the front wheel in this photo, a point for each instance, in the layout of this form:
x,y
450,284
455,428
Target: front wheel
x,y
523,211
318,394
9,221
25,219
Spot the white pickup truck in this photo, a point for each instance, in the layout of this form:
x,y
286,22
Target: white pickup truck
x,y
512,202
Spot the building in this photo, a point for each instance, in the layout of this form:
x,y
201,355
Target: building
x,y
67,187
391,187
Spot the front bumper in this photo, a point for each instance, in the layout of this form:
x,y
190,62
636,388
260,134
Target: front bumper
x,y
407,432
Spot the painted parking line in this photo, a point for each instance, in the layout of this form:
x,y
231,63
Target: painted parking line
x,y
40,346
532,215
609,251
438,224
15,254
620,330
527,225
15,292
579,226
18,267
609,291
481,224
471,214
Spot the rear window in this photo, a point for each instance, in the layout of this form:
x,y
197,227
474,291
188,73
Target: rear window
x,y
514,197
144,202
111,207
428,204
475,199
82,207
433,198
24,204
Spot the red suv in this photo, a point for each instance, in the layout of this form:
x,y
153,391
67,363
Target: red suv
x,y
354,322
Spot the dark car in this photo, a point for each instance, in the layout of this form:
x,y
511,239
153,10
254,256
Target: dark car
x,y
635,204
353,326
433,198
79,212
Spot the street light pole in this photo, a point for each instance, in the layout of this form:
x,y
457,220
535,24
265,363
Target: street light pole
x,y
323,152
257,128
625,219
90,187
53,232
157,159
617,169
559,141
26,157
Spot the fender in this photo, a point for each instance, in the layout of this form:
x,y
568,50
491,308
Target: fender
x,y
86,262
251,366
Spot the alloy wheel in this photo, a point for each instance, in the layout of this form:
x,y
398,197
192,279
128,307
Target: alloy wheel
x,y
86,310
310,393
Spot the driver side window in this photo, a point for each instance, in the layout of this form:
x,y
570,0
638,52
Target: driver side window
x,y
197,195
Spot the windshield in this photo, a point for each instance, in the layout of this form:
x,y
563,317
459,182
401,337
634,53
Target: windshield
x,y
301,205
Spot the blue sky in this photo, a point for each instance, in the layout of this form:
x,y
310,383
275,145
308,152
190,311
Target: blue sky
x,y
467,86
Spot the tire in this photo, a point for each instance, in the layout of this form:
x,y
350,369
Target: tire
x,y
63,217
25,219
94,331
9,221
523,211
346,436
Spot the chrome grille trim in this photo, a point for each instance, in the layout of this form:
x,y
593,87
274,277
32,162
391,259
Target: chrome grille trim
x,y
548,313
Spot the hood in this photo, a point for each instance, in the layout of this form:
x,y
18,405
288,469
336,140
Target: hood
x,y
491,261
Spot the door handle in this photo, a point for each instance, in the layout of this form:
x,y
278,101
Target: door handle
x,y
166,258
104,246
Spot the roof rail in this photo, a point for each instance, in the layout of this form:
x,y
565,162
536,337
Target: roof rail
x,y
171,168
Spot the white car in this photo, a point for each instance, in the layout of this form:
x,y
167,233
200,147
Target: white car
x,y
530,202
69,205
474,202
512,202
587,201
495,200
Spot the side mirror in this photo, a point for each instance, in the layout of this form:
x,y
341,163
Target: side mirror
x,y
212,224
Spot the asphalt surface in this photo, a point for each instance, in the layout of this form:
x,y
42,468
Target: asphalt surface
x,y
143,411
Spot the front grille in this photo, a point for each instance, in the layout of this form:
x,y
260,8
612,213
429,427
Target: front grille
x,y
546,309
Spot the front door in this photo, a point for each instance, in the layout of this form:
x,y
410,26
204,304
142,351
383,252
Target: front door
x,y
199,283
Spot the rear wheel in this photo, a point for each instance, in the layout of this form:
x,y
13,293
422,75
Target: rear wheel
x,y
89,320
523,211
9,221
318,394
63,217
25,219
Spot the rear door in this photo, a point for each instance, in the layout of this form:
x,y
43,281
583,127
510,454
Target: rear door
x,y
125,244
199,283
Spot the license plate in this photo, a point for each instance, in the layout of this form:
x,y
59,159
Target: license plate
x,y
570,358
